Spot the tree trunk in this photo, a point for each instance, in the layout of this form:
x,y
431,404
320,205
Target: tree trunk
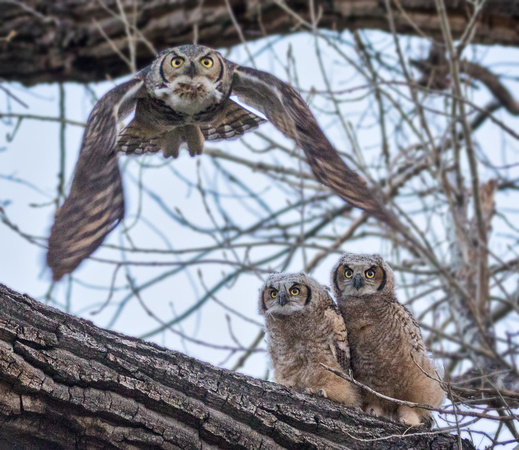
x,y
65,383
77,40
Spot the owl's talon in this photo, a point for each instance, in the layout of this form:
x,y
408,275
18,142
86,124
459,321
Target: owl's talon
x,y
374,410
168,153
322,393
412,424
194,139
408,416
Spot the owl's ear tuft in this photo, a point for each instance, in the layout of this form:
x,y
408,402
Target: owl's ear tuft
x,y
164,52
378,259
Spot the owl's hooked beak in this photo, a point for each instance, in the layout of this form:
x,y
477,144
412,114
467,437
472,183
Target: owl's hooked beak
x,y
358,282
283,298
192,70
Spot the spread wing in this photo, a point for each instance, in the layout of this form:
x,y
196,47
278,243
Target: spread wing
x,y
288,112
339,347
95,204
231,123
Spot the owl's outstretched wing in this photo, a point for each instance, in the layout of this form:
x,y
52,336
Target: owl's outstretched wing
x,y
95,204
288,112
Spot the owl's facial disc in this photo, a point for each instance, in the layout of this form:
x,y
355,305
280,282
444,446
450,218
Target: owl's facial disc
x,y
188,85
286,300
358,280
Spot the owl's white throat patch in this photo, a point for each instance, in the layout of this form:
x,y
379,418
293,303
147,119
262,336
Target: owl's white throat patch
x,y
289,308
188,95
350,291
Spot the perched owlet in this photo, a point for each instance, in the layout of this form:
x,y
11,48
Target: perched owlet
x,y
304,329
183,97
387,350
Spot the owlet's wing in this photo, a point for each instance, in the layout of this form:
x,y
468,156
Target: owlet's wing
x,y
340,347
95,204
288,112
410,325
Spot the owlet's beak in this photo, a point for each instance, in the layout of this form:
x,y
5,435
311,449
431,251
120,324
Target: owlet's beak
x,y
192,70
358,282
283,298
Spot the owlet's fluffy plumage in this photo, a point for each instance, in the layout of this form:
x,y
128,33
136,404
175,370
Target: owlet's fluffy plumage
x,y
387,350
304,329
183,97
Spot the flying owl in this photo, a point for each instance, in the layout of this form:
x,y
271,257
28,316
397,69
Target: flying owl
x,y
305,329
387,350
183,97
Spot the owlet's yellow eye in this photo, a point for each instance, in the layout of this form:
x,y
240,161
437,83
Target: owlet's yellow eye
x,y
273,293
348,273
294,291
370,273
207,62
177,62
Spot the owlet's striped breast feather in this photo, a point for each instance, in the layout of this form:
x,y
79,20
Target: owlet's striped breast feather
x,y
183,97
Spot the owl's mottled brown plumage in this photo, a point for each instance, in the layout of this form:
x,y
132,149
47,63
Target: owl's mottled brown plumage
x,y
387,350
305,329
183,97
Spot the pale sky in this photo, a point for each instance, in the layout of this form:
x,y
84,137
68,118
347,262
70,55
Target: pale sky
x,y
28,179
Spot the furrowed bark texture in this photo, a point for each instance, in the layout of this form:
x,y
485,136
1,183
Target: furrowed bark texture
x,y
76,40
65,383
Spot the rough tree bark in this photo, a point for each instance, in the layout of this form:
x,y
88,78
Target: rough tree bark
x,y
77,40
65,383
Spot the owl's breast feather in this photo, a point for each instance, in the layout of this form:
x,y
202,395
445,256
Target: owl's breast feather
x,y
189,96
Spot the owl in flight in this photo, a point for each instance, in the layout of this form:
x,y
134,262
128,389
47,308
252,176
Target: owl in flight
x,y
183,97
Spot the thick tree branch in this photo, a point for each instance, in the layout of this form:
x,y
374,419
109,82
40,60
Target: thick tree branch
x,y
74,40
65,383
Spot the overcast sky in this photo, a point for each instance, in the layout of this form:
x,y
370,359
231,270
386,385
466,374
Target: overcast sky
x,y
28,180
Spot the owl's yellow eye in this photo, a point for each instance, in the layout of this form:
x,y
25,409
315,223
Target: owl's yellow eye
x,y
273,293
370,273
207,62
348,273
177,61
294,291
